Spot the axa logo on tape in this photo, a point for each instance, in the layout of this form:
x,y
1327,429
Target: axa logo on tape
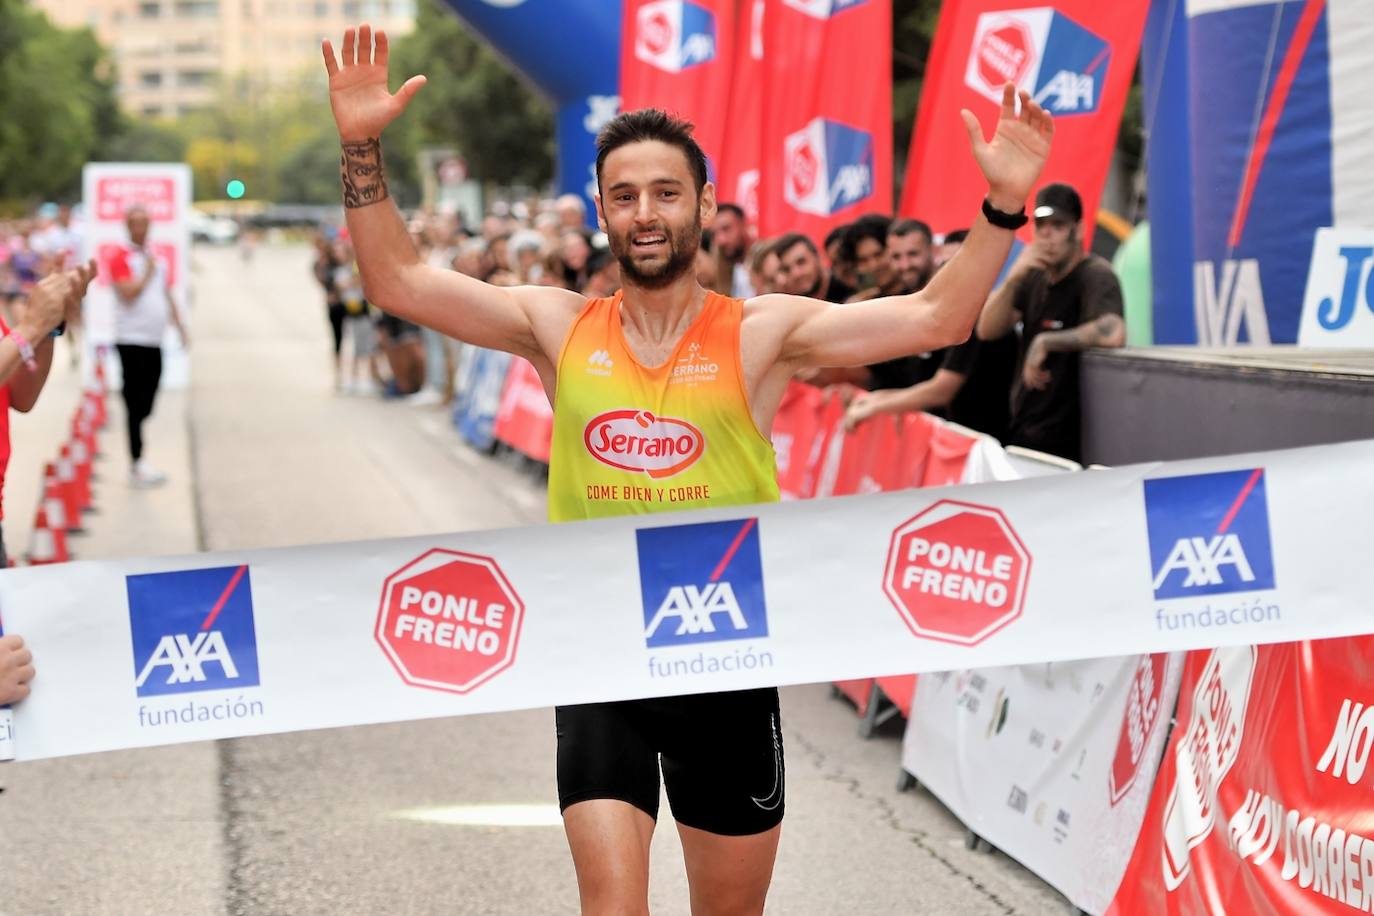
x,y
636,440
701,583
674,35
822,9
1062,64
193,630
827,167
1209,534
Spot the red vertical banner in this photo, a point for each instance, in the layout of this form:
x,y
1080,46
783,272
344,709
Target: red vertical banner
x,y
828,122
1263,803
741,158
1075,57
677,55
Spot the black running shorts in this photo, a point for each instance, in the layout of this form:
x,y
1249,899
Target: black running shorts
x,y
721,756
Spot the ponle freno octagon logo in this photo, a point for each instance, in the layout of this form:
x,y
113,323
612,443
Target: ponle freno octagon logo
x,y
636,440
957,572
449,620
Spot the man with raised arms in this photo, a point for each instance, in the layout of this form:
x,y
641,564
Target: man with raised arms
x,y
665,360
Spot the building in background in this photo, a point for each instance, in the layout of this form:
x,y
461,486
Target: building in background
x,y
171,53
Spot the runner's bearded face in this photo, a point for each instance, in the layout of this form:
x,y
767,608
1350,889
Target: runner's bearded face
x,y
652,212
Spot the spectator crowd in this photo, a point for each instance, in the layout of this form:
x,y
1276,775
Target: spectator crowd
x,y
1015,379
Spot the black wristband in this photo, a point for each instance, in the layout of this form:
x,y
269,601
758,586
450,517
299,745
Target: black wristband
x,y
1003,220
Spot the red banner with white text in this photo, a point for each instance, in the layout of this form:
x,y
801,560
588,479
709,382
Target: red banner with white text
x,y
1075,57
678,55
741,156
1265,800
828,122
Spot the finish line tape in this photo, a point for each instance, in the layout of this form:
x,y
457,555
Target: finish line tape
x,y
1263,548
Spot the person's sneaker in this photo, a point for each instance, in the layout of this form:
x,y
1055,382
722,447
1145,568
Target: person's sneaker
x,y
143,475
425,397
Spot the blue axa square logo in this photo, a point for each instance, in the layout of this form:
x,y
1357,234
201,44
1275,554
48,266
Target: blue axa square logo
x,y
1209,534
827,167
701,583
193,630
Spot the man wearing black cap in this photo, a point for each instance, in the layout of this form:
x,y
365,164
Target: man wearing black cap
x,y
1067,301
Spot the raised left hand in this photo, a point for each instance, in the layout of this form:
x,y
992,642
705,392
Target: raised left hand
x,y
1012,160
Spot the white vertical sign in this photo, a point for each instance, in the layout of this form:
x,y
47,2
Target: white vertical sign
x,y
109,189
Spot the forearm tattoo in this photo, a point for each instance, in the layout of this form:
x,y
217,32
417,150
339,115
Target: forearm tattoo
x,y
360,167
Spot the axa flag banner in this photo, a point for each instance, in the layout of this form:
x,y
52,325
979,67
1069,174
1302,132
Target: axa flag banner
x,y
1258,548
741,158
1052,764
677,55
827,138
1075,57
1263,803
1282,134
570,50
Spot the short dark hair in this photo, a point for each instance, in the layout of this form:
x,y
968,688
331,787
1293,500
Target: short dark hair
x,y
863,228
733,209
836,235
907,226
651,124
791,240
953,236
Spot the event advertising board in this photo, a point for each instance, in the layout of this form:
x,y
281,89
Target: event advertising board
x,y
1338,308
827,123
1263,802
1259,548
109,189
678,55
1052,764
1075,57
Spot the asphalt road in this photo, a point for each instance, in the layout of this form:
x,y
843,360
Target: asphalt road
x,y
454,816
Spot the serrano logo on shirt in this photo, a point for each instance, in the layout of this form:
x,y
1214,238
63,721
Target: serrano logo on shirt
x,y
636,440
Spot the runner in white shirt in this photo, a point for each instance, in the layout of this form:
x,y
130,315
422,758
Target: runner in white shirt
x,y
145,305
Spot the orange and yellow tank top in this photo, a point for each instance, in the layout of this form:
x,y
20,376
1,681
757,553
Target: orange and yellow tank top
x,y
628,439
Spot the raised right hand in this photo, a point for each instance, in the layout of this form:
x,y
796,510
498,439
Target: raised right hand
x,y
358,96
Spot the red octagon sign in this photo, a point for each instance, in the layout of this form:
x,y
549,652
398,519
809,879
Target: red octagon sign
x,y
449,621
1004,54
957,572
1143,708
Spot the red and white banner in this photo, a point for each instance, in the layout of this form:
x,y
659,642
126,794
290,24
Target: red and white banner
x,y
524,421
1052,764
828,123
1264,801
141,652
1075,57
741,158
677,55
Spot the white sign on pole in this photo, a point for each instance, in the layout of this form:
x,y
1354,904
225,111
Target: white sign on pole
x,y
109,189
1270,547
1338,307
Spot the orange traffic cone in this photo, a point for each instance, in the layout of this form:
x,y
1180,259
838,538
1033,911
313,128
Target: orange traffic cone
x,y
66,472
67,493
54,505
48,545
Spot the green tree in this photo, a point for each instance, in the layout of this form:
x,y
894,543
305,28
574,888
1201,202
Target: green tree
x,y
473,103
56,103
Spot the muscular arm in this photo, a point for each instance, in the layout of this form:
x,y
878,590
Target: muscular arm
x,y
1103,331
526,321
397,281
999,315
26,386
942,314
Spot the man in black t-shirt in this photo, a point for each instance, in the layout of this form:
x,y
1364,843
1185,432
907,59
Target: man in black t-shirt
x,y
803,274
1067,302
